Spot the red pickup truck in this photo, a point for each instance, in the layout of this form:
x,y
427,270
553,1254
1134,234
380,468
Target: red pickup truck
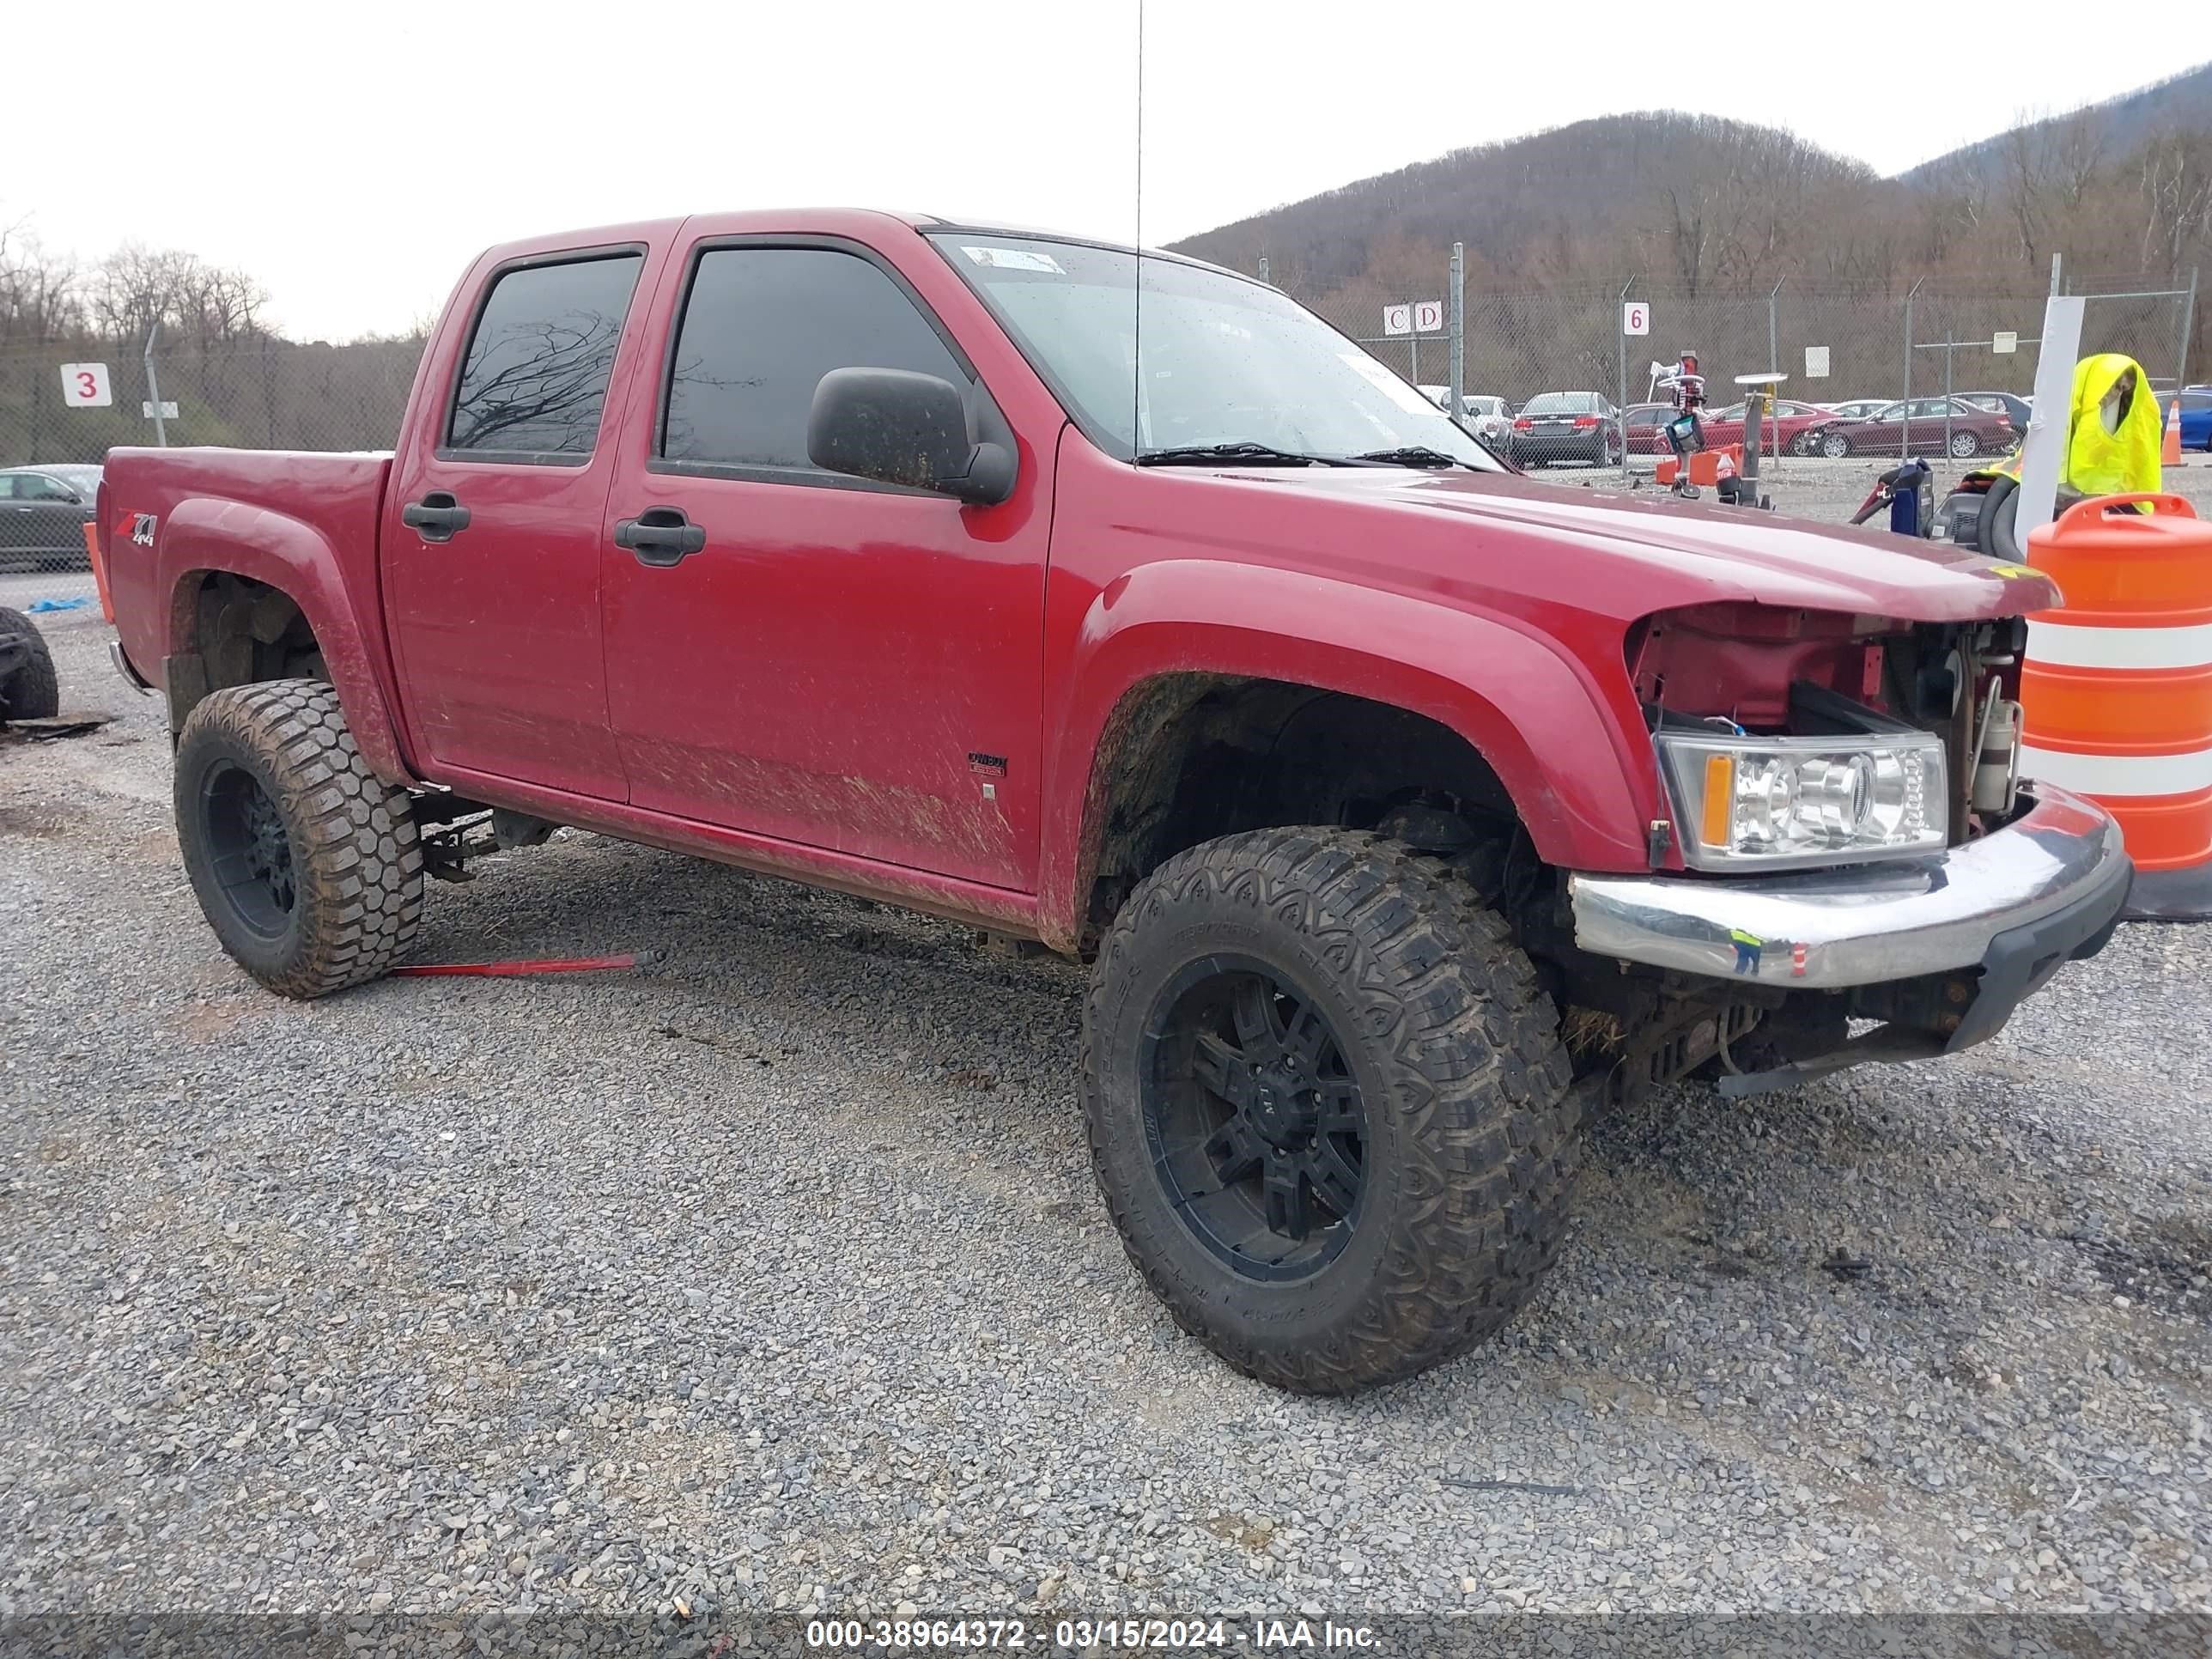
x,y
1409,810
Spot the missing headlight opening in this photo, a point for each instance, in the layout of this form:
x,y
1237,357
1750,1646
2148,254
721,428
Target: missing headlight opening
x,y
1798,737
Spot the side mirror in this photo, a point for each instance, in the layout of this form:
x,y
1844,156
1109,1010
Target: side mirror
x,y
898,427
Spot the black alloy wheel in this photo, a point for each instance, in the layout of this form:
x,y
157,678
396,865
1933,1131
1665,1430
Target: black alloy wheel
x,y
1256,1125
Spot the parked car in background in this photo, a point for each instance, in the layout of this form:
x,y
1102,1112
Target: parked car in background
x,y
2015,408
1489,416
1566,426
43,513
1943,425
1857,409
1644,428
2196,417
1793,419
1484,416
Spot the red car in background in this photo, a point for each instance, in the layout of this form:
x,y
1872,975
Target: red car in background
x,y
1933,425
1794,420
1644,426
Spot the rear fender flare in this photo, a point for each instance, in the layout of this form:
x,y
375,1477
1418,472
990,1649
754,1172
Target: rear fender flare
x,y
202,537
1570,752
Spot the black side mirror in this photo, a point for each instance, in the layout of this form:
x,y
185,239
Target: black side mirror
x,y
898,427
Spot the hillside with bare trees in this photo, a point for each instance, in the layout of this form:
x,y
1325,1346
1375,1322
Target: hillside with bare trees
x,y
1710,210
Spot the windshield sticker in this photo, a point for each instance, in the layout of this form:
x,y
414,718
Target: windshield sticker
x,y
1385,381
1015,258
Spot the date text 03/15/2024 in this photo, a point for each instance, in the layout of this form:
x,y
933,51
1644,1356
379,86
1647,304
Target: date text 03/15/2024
x,y
1080,1634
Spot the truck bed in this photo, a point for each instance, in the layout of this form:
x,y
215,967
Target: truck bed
x,y
313,518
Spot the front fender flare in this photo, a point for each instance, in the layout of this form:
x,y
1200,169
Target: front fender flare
x,y
202,536
1569,748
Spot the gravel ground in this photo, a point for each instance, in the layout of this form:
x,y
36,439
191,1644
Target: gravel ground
x,y
774,1278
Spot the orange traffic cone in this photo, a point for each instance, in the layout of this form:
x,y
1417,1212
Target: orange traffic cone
x,y
2169,453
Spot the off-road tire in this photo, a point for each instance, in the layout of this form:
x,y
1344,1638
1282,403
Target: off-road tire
x,y
32,692
1473,1131
355,858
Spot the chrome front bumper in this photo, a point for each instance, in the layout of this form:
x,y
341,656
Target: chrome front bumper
x,y
2057,865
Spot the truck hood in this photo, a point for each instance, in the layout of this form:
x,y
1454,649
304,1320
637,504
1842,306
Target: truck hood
x,y
1669,552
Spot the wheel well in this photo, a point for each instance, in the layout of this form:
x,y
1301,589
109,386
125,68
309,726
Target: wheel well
x,y
1186,757
233,630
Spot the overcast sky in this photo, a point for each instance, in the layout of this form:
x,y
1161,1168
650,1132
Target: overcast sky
x,y
353,155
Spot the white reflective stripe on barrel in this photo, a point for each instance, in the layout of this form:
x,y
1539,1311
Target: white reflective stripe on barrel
x,y
2069,644
2118,774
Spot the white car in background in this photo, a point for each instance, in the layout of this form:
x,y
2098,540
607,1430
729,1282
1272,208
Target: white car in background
x,y
1488,418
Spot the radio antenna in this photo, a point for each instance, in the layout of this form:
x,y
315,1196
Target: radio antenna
x,y
1137,336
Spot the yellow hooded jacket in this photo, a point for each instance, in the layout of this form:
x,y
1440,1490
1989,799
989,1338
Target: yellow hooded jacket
x,y
2109,451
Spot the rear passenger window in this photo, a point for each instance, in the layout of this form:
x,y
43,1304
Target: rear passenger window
x,y
761,328
534,382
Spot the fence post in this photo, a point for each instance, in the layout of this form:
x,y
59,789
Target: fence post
x,y
1621,335
1946,395
2188,327
153,387
1774,360
1263,267
1457,301
1905,421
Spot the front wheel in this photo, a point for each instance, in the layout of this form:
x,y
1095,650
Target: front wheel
x,y
306,863
1327,1107
1835,446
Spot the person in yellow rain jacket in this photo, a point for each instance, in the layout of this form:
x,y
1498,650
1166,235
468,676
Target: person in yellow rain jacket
x,y
2113,433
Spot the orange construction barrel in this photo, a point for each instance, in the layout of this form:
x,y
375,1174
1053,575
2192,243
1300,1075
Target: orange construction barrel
x,y
2116,694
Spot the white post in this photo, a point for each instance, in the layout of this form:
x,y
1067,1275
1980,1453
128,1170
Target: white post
x,y
2043,451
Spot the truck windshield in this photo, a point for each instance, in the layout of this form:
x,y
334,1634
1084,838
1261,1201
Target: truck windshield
x,y
1225,361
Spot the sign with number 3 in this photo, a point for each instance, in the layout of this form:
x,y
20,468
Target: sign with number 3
x,y
84,385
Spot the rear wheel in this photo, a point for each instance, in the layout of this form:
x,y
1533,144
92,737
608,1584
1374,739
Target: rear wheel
x,y
1965,445
306,865
31,691
1327,1106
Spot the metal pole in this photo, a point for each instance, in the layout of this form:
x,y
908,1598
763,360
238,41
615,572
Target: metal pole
x,y
153,387
1774,354
2054,273
1622,336
1457,300
1905,399
1263,267
1414,340
1946,394
2188,327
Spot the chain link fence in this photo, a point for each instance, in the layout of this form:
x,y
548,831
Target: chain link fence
x,y
261,394
1831,344
1873,343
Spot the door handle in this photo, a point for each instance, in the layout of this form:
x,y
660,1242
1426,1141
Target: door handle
x,y
436,517
661,536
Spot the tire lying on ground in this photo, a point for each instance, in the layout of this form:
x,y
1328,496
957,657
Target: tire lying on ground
x,y
1327,1106
31,692
307,865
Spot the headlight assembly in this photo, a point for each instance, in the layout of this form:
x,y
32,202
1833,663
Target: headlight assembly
x,y
1775,803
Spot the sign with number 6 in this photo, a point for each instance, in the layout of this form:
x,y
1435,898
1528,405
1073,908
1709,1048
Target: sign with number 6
x,y
84,385
1635,317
